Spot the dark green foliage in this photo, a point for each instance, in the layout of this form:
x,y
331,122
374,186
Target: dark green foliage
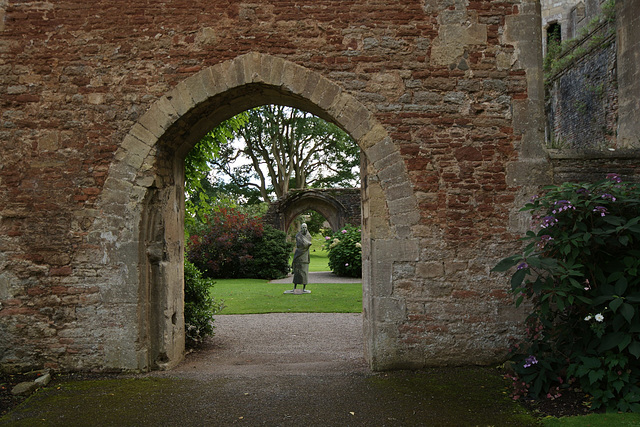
x,y
580,270
270,256
199,305
196,164
345,252
231,244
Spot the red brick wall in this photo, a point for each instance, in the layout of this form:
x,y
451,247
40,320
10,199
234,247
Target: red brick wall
x,y
76,75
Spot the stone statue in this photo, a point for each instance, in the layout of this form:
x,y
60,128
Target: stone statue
x,y
301,258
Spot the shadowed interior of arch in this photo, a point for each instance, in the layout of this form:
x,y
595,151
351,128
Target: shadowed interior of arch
x,y
226,190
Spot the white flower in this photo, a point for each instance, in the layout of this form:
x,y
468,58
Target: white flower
x,y
599,317
586,319
358,245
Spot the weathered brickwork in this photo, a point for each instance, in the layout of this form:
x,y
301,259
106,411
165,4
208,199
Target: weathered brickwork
x,y
101,100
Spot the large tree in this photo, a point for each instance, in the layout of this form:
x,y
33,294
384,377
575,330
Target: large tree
x,y
282,148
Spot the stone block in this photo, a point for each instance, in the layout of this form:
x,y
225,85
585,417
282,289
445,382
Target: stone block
x,y
24,388
157,120
295,77
381,149
373,136
212,81
407,204
406,219
430,269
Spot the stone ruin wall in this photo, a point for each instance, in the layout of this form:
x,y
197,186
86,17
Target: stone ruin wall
x,y
339,206
593,104
451,137
582,99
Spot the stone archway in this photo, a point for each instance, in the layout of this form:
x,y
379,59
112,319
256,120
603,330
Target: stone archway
x,y
144,190
338,206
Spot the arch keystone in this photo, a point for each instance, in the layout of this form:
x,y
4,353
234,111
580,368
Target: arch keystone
x,y
295,77
253,71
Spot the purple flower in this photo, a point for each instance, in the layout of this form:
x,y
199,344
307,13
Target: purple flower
x,y
327,238
544,241
529,361
343,231
346,264
582,191
601,210
522,265
608,196
534,198
614,177
548,221
562,205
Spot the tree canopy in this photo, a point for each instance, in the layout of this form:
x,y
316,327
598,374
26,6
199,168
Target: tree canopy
x,y
286,148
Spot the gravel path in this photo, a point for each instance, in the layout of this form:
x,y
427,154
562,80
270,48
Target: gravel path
x,y
267,344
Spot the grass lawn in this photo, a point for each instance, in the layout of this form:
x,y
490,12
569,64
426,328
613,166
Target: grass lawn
x,y
319,257
594,420
254,296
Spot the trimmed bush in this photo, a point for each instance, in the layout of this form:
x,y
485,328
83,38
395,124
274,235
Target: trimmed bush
x,y
199,305
345,251
270,255
580,273
231,244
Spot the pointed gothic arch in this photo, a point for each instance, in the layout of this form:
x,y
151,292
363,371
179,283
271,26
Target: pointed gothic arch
x,y
144,190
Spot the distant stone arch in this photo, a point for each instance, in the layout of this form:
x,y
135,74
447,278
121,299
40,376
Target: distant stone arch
x,y
338,206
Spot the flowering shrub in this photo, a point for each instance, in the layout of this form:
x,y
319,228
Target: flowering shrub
x,y
231,244
199,305
580,272
345,252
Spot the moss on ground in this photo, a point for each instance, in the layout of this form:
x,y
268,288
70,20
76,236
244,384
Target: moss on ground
x,y
456,396
435,397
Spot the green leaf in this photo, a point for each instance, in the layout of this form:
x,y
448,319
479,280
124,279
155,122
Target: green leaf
x,y
627,311
618,384
625,342
613,220
585,300
507,263
601,299
634,229
611,340
621,286
590,362
519,301
517,278
615,304
634,348
596,375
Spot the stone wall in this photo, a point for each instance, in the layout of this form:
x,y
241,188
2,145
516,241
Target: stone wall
x,y
339,206
582,104
628,36
102,100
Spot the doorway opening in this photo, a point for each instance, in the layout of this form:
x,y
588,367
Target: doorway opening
x,y
147,181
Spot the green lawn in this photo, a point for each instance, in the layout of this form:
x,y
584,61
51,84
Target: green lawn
x,y
254,296
594,420
319,257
